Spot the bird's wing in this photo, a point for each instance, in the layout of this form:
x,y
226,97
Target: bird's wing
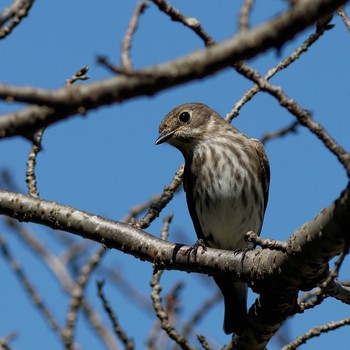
x,y
190,202
264,168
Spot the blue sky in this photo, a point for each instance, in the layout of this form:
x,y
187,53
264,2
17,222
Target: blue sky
x,y
107,162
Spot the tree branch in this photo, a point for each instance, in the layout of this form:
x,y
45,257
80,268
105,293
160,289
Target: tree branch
x,y
14,15
303,116
65,102
277,276
126,65
334,221
118,330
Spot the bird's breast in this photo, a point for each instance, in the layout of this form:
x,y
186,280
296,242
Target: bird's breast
x,y
228,202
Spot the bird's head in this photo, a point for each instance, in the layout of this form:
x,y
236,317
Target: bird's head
x,y
185,126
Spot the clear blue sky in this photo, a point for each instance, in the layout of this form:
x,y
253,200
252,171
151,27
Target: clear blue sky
x,y
107,162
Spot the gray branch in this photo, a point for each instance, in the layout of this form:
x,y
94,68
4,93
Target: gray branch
x,y
276,275
68,101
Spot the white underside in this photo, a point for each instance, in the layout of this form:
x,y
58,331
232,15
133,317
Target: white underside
x,y
225,220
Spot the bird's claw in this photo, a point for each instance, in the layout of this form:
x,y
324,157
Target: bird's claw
x,y
243,251
193,249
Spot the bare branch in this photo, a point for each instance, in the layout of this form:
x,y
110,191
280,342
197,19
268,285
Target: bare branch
x,y
63,103
200,313
244,14
161,312
50,260
126,44
336,289
269,243
164,199
291,273
291,128
315,332
30,289
189,22
31,163
203,342
59,270
110,66
14,15
327,284
36,147
248,95
208,40
302,115
57,216
125,287
4,341
138,209
341,12
77,297
78,75
120,333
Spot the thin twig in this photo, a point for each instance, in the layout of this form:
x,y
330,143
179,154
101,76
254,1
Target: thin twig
x,y
126,44
200,313
268,243
249,94
322,292
291,128
189,22
60,271
78,75
246,9
126,288
29,288
50,260
36,147
162,312
77,296
19,10
203,342
45,109
152,339
302,115
7,180
163,315
75,250
4,341
165,198
120,333
138,209
341,12
172,309
31,163
175,15
335,289
102,60
316,332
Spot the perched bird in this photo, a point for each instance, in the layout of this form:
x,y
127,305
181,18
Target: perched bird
x,y
226,180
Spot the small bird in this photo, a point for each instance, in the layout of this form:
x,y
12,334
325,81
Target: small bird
x,y
226,180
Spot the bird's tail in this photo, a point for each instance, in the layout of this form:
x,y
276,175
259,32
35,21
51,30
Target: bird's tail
x,y
235,299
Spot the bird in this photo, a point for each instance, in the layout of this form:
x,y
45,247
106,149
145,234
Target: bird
x,y
226,180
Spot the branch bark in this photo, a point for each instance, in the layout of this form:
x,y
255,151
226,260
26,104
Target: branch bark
x,y
66,102
277,276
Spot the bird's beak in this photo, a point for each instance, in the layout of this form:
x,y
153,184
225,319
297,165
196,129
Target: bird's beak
x,y
164,137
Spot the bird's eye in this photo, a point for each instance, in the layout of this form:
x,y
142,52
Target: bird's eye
x,y
184,117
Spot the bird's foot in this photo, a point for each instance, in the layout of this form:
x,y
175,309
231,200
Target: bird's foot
x,y
193,249
243,251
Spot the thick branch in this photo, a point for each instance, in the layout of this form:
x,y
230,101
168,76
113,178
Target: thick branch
x,y
313,243
276,275
65,102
